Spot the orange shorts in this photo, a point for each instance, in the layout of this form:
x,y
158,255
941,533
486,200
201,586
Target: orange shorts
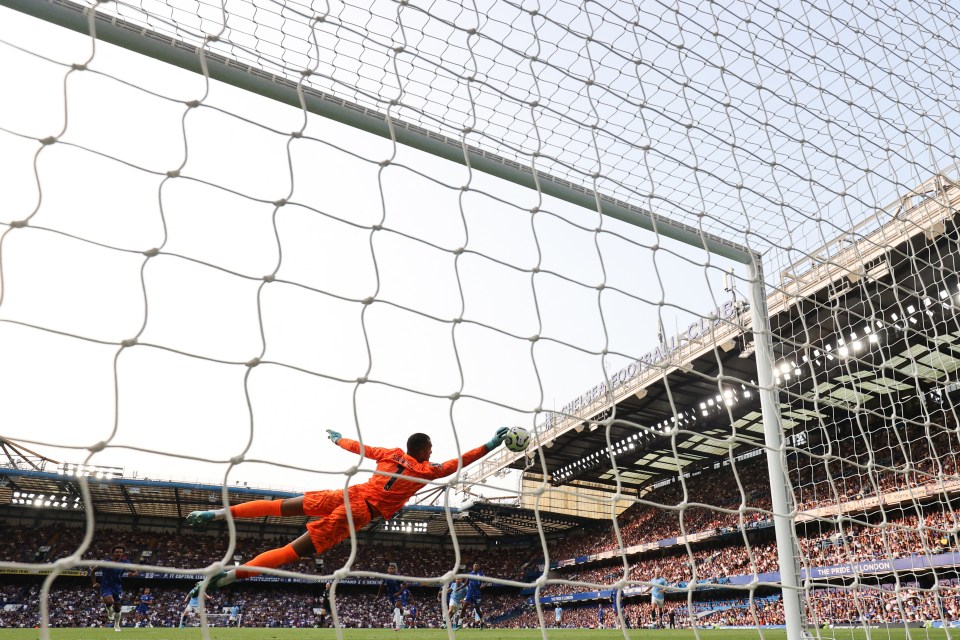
x,y
329,506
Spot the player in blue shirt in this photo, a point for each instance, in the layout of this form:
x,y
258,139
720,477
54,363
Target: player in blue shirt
x,y
404,595
411,616
110,585
473,592
600,616
657,597
143,608
618,610
391,586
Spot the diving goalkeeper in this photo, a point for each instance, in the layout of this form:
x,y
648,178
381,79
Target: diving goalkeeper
x,y
379,497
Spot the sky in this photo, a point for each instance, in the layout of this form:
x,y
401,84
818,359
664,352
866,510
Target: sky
x,y
181,401
776,133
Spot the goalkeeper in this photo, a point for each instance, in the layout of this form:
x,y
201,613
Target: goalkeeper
x,y
380,497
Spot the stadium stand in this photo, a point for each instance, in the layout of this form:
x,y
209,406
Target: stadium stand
x,y
716,558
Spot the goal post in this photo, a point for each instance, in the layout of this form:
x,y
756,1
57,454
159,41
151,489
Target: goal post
x,y
783,509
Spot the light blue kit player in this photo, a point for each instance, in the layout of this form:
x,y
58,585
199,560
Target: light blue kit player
x,y
657,596
193,602
458,591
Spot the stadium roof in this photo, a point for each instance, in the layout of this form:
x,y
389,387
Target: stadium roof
x,y
871,316
127,498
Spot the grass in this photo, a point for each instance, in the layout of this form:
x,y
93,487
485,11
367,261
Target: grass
x,y
467,634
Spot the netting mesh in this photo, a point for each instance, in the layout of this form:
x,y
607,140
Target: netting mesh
x,y
201,279
737,117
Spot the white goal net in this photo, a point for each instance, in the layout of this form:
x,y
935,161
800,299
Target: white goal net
x,y
706,253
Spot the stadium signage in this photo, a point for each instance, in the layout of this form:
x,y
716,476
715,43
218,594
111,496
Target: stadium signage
x,y
897,625
663,352
845,570
41,572
156,575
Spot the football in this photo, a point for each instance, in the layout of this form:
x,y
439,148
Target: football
x,y
517,439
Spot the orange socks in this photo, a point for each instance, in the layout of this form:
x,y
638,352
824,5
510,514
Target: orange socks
x,y
256,509
272,558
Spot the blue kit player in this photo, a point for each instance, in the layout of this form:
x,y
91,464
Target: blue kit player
x,y
143,608
600,616
404,595
474,584
411,616
657,597
110,585
391,586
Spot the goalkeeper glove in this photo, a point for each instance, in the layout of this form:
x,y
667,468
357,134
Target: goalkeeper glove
x,y
497,438
334,436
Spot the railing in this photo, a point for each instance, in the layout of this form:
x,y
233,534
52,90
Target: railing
x,y
921,211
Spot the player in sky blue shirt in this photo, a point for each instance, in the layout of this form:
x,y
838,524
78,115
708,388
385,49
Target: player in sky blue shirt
x,y
193,602
474,584
111,585
657,597
458,591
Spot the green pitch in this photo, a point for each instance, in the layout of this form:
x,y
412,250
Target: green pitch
x,y
467,634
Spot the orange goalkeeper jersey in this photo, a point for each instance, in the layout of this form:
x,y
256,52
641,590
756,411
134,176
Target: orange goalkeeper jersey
x,y
387,494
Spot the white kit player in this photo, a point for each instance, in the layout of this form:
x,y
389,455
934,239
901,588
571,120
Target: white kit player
x,y
397,615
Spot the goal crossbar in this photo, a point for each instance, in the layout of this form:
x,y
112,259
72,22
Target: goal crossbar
x,y
173,51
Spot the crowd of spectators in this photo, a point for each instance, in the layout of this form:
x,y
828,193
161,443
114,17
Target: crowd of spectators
x,y
909,535
78,605
189,551
822,606
715,503
833,466
297,606
885,605
828,471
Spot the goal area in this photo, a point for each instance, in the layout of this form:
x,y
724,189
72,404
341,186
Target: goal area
x,y
705,253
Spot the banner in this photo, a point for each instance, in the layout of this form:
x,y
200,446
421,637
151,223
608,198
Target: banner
x,y
42,572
